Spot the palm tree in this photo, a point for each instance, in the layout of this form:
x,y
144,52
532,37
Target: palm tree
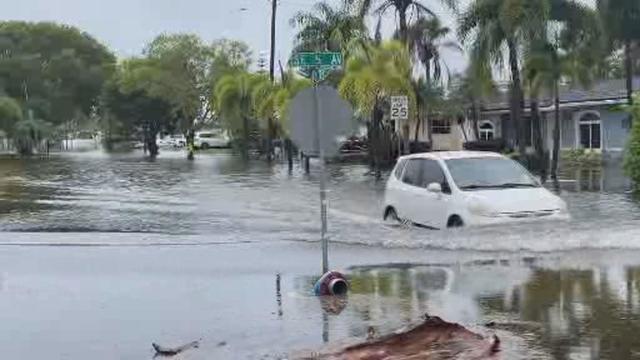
x,y
475,86
493,26
234,102
271,101
327,29
427,38
572,53
622,21
371,77
552,63
403,9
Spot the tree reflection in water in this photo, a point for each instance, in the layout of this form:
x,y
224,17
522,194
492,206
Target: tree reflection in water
x,y
565,314
592,313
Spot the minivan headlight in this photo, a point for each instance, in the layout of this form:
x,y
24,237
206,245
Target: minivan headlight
x,y
480,208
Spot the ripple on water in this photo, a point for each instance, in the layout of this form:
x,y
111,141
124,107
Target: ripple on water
x,y
219,196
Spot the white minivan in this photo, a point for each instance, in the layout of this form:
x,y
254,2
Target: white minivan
x,y
465,188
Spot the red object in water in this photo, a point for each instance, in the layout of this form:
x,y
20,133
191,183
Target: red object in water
x,y
435,339
330,284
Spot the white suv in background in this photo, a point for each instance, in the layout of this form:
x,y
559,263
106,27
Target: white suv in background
x,y
210,139
461,188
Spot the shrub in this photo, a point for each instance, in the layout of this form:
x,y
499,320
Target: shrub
x,y
632,153
581,158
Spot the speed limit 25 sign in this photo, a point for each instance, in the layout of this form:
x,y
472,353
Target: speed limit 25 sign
x,y
399,108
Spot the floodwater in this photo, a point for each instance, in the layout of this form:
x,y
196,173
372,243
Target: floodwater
x,y
102,254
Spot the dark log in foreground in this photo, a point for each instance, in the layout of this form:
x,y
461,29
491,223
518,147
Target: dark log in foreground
x,y
435,339
165,351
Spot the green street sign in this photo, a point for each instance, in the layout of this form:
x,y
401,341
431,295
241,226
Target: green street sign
x,y
316,65
316,59
317,73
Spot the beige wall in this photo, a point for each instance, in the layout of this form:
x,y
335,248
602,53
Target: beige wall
x,y
449,142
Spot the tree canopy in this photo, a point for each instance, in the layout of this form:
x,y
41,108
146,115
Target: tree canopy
x,y
55,70
10,114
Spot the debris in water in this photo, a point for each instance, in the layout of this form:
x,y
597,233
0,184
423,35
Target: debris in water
x,y
166,351
371,333
433,339
331,283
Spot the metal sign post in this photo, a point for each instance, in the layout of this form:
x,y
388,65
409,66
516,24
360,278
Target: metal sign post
x,y
399,112
319,136
323,186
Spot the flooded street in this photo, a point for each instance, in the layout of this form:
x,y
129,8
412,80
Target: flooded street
x,y
100,255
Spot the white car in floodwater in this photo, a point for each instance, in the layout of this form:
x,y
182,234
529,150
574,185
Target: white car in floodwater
x,y
211,139
465,188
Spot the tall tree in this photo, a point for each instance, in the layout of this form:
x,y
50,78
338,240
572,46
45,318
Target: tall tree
x,y
550,62
427,38
622,22
133,111
328,28
403,9
235,104
56,71
474,87
10,115
497,29
568,47
371,77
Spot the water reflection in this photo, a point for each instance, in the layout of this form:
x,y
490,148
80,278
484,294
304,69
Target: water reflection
x,y
559,314
609,178
221,197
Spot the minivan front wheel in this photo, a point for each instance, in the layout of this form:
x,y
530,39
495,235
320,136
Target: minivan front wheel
x,y
455,221
391,216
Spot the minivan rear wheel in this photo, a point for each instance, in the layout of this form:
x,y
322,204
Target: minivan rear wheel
x,y
455,221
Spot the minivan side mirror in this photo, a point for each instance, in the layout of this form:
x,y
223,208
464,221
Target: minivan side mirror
x,y
434,188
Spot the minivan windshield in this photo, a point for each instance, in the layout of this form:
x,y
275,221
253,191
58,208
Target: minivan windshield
x,y
489,173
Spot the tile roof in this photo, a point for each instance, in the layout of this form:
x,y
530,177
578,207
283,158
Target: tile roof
x,y
600,90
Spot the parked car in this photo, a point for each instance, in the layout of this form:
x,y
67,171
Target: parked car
x,y
172,141
353,144
465,188
210,139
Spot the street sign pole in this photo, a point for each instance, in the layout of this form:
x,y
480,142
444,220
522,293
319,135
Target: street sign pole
x,y
323,187
317,66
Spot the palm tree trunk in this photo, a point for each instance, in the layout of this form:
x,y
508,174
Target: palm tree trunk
x,y
516,97
377,146
402,20
556,131
245,129
270,137
427,66
475,118
289,150
628,65
537,133
418,123
429,129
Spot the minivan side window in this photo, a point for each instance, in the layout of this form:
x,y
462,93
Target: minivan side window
x,y
432,173
412,172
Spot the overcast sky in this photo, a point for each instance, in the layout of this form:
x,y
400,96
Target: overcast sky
x,y
127,25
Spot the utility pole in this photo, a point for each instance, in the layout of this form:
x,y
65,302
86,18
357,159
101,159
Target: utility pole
x,y
270,131
274,8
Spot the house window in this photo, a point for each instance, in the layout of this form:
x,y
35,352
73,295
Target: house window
x,y
590,131
440,126
487,131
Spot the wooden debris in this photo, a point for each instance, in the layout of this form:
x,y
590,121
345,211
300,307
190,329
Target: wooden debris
x,y
435,339
167,351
